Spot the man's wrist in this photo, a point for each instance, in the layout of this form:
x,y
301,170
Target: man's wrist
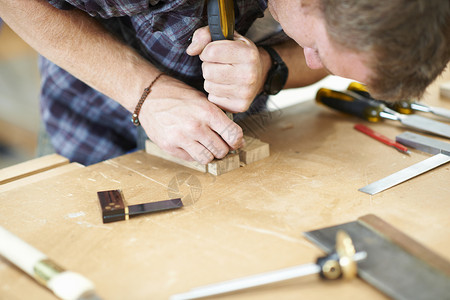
x,y
266,62
277,75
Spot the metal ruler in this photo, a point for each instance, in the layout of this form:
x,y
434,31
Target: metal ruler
x,y
422,143
395,264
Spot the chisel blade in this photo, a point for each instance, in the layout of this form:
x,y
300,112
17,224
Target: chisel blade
x,y
423,143
405,174
439,111
426,124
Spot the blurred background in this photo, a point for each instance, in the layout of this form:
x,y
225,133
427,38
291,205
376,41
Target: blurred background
x,y
19,99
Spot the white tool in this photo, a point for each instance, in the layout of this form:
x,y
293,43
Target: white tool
x,y
64,284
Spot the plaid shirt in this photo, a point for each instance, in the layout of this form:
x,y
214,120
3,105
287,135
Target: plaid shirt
x,y
88,127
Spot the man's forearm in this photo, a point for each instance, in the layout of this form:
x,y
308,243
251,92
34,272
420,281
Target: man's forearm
x,y
79,44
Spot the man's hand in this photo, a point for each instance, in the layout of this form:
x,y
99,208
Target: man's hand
x,y
234,71
181,121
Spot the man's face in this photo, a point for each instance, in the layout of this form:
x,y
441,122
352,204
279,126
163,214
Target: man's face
x,y
305,25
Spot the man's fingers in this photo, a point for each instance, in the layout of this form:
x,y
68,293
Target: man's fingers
x,y
200,39
180,153
231,52
229,131
243,74
214,144
234,92
230,105
199,153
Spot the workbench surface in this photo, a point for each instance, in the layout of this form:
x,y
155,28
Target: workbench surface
x,y
248,221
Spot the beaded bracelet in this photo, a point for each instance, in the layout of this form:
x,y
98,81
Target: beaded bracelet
x,y
135,116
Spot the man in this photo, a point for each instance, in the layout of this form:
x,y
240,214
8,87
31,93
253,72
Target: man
x,y
126,46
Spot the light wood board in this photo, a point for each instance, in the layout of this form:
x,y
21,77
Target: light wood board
x,y
244,222
31,167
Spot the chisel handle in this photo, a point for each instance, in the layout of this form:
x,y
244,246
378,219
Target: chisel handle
x,y
221,19
351,103
402,106
221,23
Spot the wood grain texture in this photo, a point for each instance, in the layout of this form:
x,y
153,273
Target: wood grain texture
x,y
31,167
21,182
244,222
253,151
227,164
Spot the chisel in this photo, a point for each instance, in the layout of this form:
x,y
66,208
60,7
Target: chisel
x,y
221,19
374,111
221,23
406,107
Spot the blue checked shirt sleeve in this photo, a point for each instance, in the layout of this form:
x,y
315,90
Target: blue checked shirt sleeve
x,y
106,8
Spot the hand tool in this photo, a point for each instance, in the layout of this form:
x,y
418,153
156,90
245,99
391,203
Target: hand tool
x,y
114,209
221,23
429,145
396,264
340,263
373,111
221,19
379,137
406,107
64,284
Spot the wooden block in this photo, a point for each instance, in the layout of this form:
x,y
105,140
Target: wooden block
x,y
224,165
445,89
31,167
254,150
40,176
153,149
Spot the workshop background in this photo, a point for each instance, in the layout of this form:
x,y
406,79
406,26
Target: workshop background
x,y
19,98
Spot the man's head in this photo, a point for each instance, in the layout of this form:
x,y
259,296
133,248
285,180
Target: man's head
x,y
396,47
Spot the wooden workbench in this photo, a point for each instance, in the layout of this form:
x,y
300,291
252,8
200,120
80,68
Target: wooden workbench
x,y
245,222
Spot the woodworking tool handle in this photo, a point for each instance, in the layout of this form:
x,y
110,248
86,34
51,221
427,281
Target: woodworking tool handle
x,y
403,106
351,103
221,23
381,138
221,19
65,284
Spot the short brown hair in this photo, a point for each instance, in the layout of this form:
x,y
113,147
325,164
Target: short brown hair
x,y
410,40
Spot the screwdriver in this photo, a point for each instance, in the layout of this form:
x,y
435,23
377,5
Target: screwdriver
x,y
406,107
374,111
342,263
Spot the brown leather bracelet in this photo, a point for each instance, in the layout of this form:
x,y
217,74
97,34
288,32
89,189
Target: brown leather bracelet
x,y
135,116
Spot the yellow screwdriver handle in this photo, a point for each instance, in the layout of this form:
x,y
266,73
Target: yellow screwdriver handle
x,y
351,103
